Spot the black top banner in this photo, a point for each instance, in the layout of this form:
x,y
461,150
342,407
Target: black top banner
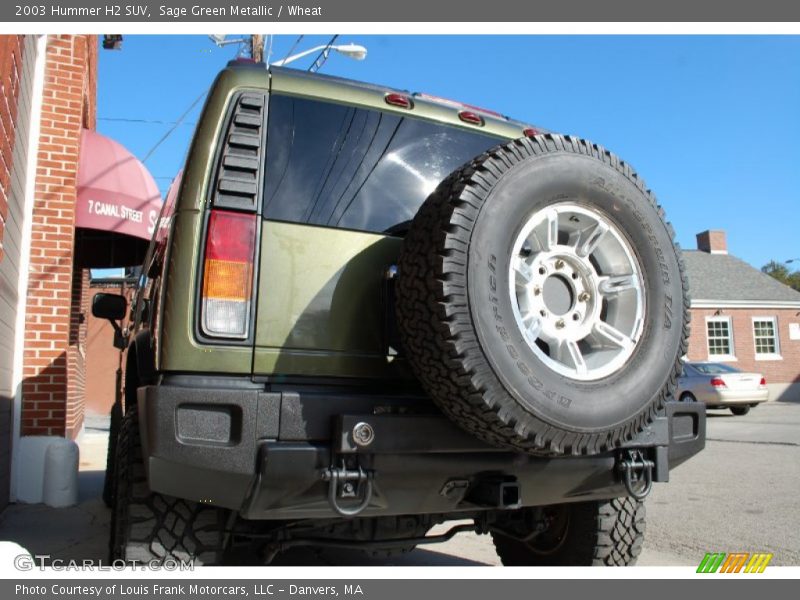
x,y
495,11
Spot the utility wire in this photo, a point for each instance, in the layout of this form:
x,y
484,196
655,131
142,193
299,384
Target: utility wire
x,y
174,127
323,56
268,53
296,42
148,121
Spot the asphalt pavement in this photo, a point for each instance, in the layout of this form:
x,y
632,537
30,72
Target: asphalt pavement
x,y
739,494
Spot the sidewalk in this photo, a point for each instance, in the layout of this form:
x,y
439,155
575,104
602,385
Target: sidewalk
x,y
78,532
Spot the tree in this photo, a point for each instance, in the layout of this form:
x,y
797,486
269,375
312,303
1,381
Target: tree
x,y
782,273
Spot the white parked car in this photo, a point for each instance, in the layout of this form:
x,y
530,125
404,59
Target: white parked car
x,y
721,386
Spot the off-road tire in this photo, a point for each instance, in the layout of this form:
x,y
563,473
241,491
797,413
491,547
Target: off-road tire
x,y
740,411
109,483
463,344
147,526
121,406
602,533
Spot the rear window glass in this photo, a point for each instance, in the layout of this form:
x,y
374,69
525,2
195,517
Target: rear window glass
x,y
713,369
340,166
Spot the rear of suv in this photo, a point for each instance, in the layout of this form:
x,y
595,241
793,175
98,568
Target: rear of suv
x,y
365,312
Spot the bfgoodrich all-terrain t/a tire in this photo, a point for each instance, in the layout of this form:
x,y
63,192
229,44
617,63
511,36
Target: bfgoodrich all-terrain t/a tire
x,y
599,533
151,528
542,301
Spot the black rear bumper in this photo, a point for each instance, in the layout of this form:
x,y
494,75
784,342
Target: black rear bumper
x,y
264,453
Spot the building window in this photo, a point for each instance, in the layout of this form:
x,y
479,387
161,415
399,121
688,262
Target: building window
x,y
720,338
765,335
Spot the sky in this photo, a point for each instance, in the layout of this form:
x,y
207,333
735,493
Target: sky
x,y
712,123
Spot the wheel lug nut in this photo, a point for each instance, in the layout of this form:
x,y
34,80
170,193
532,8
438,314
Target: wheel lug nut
x,y
576,316
584,297
537,290
560,324
559,264
542,270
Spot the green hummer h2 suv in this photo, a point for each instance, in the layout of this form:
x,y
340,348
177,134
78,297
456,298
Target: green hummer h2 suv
x,y
365,312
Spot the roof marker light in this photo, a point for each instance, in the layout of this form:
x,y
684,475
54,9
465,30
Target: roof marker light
x,y
399,100
470,117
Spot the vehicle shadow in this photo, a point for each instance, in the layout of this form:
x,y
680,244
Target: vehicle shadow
x,y
720,415
297,557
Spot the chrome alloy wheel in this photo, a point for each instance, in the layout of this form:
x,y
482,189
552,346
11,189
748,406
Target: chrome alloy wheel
x,y
577,291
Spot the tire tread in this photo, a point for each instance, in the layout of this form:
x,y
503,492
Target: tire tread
x,y
151,527
433,310
602,533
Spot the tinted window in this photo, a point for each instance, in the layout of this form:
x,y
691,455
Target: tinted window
x,y
340,166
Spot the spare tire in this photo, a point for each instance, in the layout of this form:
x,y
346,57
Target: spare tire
x,y
541,299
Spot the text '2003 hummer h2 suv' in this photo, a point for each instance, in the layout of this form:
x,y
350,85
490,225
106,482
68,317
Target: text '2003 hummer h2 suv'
x,y
365,312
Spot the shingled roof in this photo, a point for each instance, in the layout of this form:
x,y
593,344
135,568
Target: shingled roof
x,y
725,278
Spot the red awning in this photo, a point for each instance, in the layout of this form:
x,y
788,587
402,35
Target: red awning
x,y
118,204
115,190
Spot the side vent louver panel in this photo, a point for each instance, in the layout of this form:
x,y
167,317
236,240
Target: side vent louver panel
x,y
242,157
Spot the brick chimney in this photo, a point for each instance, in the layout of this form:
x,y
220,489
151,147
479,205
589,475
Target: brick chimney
x,y
713,242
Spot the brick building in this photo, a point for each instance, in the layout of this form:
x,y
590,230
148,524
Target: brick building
x,y
743,317
48,239
102,362
57,294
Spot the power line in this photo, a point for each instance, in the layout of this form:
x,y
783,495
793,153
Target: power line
x,y
268,52
323,55
174,127
291,50
148,121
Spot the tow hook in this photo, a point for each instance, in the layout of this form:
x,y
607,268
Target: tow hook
x,y
344,483
636,472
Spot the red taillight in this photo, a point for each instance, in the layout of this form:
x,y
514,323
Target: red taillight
x,y
228,274
717,382
530,132
399,100
470,117
763,382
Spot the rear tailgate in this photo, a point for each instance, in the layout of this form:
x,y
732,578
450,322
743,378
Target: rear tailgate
x,y
742,382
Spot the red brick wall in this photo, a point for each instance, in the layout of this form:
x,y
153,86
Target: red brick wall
x,y
102,359
53,386
76,352
10,67
785,370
